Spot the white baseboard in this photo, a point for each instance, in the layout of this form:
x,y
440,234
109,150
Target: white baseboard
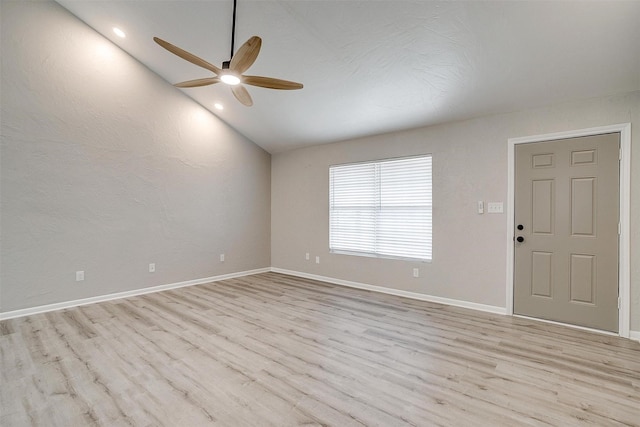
x,y
125,294
391,291
634,335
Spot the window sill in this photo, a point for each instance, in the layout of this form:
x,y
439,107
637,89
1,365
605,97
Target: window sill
x,y
372,255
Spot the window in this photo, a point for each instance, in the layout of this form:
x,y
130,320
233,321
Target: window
x,y
381,208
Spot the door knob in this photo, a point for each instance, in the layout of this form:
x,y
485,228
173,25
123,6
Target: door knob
x,y
520,227
520,239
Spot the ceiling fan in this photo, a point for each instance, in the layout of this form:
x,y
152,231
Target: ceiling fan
x,y
232,71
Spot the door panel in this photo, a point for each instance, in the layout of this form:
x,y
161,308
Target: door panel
x,y
583,208
582,280
541,274
567,200
542,206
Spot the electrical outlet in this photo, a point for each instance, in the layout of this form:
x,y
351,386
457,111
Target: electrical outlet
x,y
317,260
416,272
221,257
307,256
152,268
79,276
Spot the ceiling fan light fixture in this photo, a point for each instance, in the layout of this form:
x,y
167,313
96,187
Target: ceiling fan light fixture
x,y
232,71
230,79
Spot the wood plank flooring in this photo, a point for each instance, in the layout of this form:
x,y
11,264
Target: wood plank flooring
x,y
276,350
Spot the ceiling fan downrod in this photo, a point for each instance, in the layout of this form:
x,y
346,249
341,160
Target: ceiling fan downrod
x,y
233,32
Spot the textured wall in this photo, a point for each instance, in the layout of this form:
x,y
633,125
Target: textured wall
x,y
105,168
469,164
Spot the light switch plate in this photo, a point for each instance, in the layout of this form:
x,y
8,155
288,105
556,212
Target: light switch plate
x,y
495,207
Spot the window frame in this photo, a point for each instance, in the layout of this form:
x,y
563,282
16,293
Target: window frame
x,y
376,254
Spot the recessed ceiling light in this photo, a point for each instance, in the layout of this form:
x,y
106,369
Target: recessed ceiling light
x,y
119,32
218,106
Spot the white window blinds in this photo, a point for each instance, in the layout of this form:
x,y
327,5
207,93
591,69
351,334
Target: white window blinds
x,y
381,208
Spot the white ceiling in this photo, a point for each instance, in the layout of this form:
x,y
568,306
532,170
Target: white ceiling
x,y
371,67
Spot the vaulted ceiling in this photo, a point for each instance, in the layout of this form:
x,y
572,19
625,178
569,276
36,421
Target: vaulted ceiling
x,y
372,67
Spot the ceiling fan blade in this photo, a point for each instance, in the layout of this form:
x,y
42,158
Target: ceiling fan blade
x,y
198,82
271,83
242,95
246,55
187,56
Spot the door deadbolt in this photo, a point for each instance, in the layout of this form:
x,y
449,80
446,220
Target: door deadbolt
x,y
520,227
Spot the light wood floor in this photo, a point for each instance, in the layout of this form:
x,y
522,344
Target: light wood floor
x,y
275,350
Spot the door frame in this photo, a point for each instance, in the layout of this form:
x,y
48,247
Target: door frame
x,y
624,265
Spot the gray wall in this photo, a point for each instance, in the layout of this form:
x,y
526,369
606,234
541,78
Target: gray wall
x,y
469,164
105,168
